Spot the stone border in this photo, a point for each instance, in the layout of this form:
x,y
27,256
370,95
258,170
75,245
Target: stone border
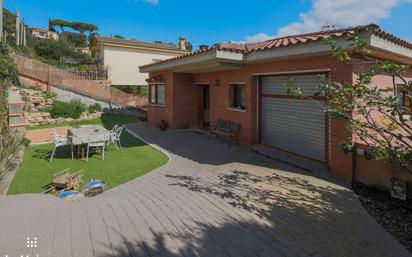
x,y
12,167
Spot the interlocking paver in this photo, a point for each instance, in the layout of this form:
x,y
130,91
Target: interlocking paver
x,y
209,200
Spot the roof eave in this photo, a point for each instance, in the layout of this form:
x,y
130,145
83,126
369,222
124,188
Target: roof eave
x,y
212,55
390,50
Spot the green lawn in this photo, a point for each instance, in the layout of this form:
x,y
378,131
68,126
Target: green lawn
x,y
135,159
107,120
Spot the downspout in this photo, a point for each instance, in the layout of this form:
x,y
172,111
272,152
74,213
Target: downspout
x,y
354,153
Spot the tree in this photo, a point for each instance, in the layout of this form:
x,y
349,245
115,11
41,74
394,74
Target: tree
x,y
59,23
9,21
78,40
376,116
83,27
93,39
51,51
118,36
189,46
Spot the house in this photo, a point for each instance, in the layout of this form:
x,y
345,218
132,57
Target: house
x,y
84,50
44,33
245,83
123,57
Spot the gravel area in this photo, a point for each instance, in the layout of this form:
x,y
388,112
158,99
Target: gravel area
x,y
394,215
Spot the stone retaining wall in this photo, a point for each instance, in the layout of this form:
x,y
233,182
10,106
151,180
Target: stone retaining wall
x,y
39,102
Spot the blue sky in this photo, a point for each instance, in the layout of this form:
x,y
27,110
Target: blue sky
x,y
208,22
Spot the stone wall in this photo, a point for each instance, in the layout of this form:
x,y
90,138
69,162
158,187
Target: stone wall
x,y
66,95
39,102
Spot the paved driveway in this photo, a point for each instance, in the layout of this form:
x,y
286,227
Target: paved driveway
x,y
208,201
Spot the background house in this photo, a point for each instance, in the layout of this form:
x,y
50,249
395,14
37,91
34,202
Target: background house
x,y
44,33
123,57
245,83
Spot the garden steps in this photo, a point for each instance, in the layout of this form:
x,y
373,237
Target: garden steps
x,y
16,111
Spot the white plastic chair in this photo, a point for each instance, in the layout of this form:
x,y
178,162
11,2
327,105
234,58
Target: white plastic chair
x,y
96,140
59,141
115,137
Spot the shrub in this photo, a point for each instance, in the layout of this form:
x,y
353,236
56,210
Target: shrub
x,y
49,95
26,142
73,109
94,108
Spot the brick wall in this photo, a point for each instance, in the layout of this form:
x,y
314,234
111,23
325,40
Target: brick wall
x,y
379,173
185,100
157,113
180,109
373,172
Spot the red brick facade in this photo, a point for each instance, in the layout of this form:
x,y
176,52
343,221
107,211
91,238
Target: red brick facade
x,y
182,99
180,110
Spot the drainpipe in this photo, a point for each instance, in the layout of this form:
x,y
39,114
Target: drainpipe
x,y
354,153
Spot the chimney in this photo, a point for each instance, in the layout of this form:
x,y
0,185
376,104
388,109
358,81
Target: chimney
x,y
203,47
182,43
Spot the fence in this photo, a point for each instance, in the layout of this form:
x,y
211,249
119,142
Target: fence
x,y
88,75
83,84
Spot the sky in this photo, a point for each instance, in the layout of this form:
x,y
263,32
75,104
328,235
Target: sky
x,y
213,21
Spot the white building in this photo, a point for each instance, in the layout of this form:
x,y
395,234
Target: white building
x,y
123,57
44,33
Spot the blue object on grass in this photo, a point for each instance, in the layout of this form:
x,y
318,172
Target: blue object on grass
x,y
94,187
67,194
95,183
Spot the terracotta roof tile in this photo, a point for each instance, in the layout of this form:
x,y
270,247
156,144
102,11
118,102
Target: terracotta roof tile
x,y
297,39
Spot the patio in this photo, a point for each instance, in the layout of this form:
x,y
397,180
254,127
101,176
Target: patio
x,y
207,201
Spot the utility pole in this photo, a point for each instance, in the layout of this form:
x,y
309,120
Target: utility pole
x,y
21,31
24,34
1,20
17,28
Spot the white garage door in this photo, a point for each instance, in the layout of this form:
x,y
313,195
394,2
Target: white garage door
x,y
290,124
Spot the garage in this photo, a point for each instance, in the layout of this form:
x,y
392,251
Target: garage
x,y
292,124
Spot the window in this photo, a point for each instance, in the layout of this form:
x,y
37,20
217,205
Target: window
x,y
238,97
403,97
157,94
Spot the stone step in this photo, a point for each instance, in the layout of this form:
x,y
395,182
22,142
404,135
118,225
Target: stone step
x,y
22,129
16,108
17,121
14,97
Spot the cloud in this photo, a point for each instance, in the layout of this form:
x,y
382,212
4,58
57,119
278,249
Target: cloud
x,y
152,2
258,38
341,13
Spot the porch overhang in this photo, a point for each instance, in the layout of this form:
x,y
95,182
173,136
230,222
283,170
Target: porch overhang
x,y
213,60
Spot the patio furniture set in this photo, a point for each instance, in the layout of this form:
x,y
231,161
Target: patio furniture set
x,y
85,138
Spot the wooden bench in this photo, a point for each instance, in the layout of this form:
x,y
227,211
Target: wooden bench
x,y
227,129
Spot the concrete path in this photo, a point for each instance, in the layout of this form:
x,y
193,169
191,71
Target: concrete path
x,y
40,136
209,200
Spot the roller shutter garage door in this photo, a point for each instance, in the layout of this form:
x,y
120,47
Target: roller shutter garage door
x,y
291,124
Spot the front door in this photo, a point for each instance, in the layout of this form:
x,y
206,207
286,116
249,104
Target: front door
x,y
203,106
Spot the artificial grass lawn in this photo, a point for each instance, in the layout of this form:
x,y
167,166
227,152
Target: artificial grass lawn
x,y
135,159
107,120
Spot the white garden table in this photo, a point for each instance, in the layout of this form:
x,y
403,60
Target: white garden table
x,y
85,134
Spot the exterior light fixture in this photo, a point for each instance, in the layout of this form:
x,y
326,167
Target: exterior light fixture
x,y
398,189
217,83
188,82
